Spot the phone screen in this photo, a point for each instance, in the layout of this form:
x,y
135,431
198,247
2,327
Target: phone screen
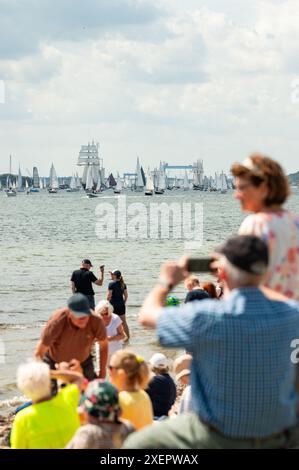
x,y
199,265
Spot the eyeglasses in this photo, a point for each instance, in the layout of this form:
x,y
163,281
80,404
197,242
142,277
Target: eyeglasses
x,y
242,187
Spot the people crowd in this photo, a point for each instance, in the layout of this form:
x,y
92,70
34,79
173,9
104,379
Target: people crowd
x,y
235,384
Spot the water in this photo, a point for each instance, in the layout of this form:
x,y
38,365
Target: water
x,y
43,239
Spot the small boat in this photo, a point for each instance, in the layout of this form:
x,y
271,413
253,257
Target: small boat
x,y
139,183
89,188
149,188
10,187
119,186
11,193
186,186
73,186
161,183
92,195
53,184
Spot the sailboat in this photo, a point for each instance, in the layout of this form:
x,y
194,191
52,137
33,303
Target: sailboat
x,y
35,184
196,182
73,186
139,184
222,183
89,187
149,188
119,186
20,182
10,191
161,186
53,184
186,185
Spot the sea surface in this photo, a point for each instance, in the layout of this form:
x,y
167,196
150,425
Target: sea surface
x,y
44,237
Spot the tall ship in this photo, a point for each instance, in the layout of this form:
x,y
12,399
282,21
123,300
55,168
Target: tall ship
x,y
93,170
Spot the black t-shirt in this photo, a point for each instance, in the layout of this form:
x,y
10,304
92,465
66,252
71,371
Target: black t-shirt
x,y
117,293
162,392
197,294
83,280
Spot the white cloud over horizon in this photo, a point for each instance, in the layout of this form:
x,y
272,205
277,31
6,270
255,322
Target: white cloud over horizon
x,y
166,80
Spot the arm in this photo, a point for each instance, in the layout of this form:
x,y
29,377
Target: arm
x,y
103,358
73,287
40,350
99,282
109,295
172,273
68,376
121,334
125,295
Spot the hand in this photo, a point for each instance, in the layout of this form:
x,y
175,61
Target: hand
x,y
75,366
110,338
173,272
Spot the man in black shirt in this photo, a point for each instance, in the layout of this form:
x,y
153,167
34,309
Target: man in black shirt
x,y
82,280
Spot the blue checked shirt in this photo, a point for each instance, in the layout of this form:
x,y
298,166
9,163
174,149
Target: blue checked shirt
x,y
242,377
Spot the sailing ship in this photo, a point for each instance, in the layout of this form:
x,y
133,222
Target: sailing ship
x,y
10,191
186,186
222,183
53,183
149,188
119,186
139,183
161,185
73,185
20,182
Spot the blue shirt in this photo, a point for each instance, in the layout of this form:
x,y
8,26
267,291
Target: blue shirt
x,y
242,377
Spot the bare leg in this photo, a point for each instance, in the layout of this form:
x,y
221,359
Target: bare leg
x,y
125,325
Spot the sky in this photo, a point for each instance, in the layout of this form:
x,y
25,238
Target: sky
x,y
165,80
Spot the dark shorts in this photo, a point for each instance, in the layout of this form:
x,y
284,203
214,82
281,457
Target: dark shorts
x,y
91,301
119,309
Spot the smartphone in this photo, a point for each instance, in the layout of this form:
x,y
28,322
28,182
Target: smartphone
x,y
199,265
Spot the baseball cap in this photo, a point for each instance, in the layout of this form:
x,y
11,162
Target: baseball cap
x,y
100,400
246,252
158,360
182,366
87,261
79,305
116,272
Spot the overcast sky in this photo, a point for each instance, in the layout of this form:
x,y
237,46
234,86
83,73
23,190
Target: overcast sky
x,y
172,80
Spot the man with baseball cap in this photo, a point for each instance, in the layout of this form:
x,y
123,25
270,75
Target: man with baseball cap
x,y
82,280
70,334
242,375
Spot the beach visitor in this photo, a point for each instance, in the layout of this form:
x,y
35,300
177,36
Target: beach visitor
x,y
114,326
161,388
130,375
117,295
242,376
211,289
182,370
195,292
50,422
103,428
262,188
82,280
70,334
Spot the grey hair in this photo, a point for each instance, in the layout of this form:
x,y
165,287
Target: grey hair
x,y
33,380
102,305
238,276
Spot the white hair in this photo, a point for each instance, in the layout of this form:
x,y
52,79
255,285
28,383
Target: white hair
x,y
238,276
33,380
103,305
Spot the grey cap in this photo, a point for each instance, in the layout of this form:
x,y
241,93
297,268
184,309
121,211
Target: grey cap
x,y
79,305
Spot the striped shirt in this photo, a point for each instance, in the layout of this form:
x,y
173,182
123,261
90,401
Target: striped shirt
x,y
242,376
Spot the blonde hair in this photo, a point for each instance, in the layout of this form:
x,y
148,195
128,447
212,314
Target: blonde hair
x,y
136,369
103,305
33,380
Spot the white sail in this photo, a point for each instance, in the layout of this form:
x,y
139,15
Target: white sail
x,y
26,184
89,180
195,179
186,182
20,181
84,177
149,182
45,183
139,179
162,181
73,184
53,178
41,184
78,182
119,185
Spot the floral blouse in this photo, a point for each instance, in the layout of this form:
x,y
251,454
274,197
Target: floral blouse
x,y
280,230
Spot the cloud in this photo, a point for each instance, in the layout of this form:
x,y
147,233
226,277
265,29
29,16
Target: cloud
x,y
25,25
